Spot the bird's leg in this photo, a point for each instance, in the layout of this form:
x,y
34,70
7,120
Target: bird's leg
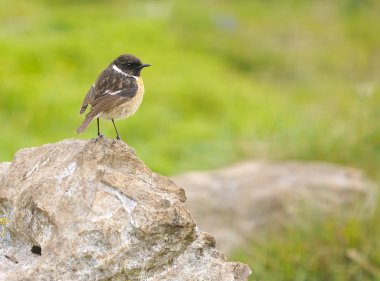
x,y
117,133
97,121
99,135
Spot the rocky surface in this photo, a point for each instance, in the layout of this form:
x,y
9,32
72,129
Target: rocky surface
x,y
235,202
3,167
91,210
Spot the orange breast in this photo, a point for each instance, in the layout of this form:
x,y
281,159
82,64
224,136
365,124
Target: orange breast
x,y
130,107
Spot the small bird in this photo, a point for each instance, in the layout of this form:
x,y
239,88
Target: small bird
x,y
117,92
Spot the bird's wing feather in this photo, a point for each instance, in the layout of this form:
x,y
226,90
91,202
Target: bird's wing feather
x,y
111,90
89,97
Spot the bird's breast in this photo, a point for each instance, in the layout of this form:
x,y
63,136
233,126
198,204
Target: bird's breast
x,y
137,99
130,107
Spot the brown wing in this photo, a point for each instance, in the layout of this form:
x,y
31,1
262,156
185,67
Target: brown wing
x,y
89,97
110,90
96,89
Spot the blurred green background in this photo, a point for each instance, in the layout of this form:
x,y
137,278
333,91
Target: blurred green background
x,y
230,80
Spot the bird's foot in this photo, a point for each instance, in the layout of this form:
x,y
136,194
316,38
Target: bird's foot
x,y
99,137
117,140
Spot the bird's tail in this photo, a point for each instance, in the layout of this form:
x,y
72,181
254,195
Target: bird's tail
x,y
85,124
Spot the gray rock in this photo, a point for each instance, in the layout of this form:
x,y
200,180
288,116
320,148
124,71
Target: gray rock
x,y
96,212
235,202
3,167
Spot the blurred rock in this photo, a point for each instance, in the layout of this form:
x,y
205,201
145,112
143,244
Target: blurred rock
x,y
232,202
91,210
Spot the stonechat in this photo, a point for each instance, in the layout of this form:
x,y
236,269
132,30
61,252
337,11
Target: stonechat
x,y
117,92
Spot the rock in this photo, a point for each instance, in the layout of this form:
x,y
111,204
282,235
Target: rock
x,y
234,202
91,210
3,167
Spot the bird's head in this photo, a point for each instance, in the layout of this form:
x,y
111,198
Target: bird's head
x,y
129,64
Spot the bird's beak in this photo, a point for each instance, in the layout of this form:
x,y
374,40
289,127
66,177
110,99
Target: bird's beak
x,y
145,65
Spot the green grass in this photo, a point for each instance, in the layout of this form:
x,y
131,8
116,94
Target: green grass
x,y
316,247
230,80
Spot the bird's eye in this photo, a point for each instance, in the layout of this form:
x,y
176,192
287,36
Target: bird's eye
x,y
129,64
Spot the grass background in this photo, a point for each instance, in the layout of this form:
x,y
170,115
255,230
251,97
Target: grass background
x,y
230,80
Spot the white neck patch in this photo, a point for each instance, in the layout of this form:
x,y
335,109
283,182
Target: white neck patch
x,y
121,72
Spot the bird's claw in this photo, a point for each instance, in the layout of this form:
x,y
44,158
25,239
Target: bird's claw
x,y
99,137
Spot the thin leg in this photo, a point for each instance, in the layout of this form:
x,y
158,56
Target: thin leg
x,y
97,121
117,133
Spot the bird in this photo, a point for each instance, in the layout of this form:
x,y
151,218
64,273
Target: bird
x,y
117,92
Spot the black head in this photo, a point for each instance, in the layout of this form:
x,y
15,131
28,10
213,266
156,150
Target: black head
x,y
129,64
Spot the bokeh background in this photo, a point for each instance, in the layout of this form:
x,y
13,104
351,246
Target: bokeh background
x,y
230,80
